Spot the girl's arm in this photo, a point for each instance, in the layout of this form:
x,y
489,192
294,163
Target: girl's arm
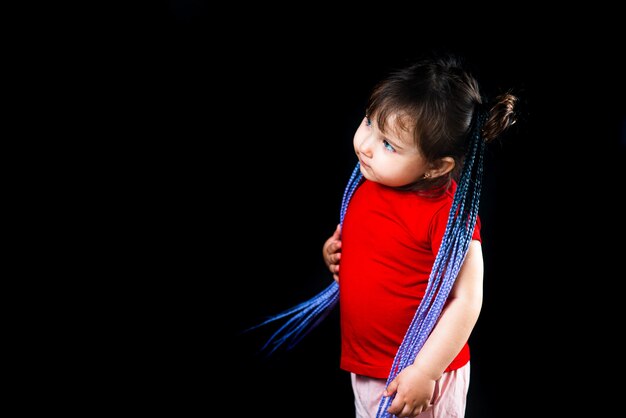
x,y
415,384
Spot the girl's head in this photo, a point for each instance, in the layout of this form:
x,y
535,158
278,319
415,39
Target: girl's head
x,y
418,120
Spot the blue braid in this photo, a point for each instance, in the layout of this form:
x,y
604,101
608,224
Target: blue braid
x,y
450,257
353,183
307,315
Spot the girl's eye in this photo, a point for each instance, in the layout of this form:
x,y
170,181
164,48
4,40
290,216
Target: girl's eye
x,y
388,146
368,122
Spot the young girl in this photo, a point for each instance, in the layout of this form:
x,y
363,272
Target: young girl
x,y
407,254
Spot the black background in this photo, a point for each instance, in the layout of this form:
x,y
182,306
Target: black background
x,y
252,123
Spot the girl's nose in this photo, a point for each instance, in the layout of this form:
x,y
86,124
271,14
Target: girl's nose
x,y
365,147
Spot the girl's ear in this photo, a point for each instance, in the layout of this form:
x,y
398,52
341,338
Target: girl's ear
x,y
441,167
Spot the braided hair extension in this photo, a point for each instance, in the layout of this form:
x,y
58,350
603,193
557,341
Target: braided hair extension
x,y
450,257
307,315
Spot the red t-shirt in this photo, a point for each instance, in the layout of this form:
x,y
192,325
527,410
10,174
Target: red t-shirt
x,y
390,239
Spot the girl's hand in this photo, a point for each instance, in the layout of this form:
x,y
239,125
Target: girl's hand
x,y
414,392
332,253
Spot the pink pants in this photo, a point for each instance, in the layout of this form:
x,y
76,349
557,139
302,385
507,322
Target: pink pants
x,y
449,398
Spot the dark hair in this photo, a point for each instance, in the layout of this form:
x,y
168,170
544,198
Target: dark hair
x,y
436,100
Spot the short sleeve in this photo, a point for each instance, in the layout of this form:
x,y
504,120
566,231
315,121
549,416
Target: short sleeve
x,y
438,228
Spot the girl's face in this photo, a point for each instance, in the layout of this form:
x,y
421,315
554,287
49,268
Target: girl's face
x,y
391,158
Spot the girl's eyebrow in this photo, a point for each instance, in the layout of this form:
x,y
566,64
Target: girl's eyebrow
x,y
393,142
